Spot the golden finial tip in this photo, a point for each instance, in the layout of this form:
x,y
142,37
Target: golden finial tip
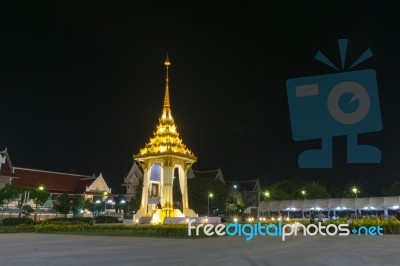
x,y
167,62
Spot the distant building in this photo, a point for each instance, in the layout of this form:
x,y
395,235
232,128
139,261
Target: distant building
x,y
6,169
250,189
132,181
89,187
216,174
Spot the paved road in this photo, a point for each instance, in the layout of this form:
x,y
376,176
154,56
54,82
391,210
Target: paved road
x,y
52,250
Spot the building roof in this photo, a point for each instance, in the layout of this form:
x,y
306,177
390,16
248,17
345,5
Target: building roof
x,y
166,140
210,173
54,182
216,174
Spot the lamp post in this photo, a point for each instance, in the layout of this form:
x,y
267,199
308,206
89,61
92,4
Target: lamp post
x,y
355,191
40,188
122,203
266,194
210,195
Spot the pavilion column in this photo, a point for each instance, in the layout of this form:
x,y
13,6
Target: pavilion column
x,y
145,191
183,187
167,196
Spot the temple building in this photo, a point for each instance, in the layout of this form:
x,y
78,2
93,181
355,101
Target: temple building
x,y
57,183
162,157
215,174
132,181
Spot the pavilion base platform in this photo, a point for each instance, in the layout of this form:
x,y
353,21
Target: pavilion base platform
x,y
162,215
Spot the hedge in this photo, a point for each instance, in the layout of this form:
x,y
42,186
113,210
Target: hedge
x,y
107,219
70,220
170,230
17,221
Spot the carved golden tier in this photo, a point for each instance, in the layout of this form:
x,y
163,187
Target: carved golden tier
x,y
166,140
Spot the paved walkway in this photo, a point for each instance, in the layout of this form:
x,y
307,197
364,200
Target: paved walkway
x,y
52,250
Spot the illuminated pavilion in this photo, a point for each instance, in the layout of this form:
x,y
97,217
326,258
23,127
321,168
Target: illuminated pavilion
x,y
164,153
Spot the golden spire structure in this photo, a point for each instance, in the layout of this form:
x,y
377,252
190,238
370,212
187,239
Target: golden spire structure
x,y
166,140
167,105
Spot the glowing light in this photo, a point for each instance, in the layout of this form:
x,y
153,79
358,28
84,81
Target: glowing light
x,y
235,220
396,207
273,219
287,219
98,201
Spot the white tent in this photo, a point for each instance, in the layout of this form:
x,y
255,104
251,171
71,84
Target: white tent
x,y
373,203
248,209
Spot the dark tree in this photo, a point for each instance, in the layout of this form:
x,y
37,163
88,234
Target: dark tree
x,y
63,204
199,189
393,190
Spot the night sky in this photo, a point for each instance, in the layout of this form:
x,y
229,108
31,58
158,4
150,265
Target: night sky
x,y
82,84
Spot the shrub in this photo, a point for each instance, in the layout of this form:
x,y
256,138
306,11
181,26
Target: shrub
x,y
70,220
17,221
107,219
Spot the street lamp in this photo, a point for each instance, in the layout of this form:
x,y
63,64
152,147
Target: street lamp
x,y
210,195
355,191
266,194
303,192
40,188
98,206
235,186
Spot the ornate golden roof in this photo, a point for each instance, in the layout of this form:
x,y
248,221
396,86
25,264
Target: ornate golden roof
x,y
166,140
